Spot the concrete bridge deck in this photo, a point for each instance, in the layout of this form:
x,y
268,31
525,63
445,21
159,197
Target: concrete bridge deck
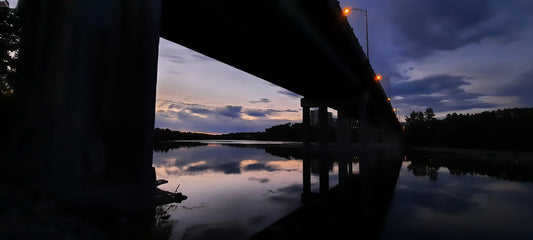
x,y
307,47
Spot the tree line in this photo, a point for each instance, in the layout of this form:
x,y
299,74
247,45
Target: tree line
x,y
283,132
502,129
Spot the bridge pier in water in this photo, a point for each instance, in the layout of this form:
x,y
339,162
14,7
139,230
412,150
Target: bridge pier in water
x,y
372,133
87,100
323,152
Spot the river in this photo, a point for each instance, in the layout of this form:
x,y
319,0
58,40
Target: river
x,y
237,188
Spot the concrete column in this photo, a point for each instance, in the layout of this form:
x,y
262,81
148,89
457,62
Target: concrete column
x,y
363,121
88,95
323,135
344,144
306,126
364,152
306,160
323,125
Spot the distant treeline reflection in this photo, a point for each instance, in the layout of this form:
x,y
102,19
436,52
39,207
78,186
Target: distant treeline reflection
x,y
165,146
506,166
287,152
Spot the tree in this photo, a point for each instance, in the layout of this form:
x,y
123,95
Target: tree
x,y
9,49
429,115
415,118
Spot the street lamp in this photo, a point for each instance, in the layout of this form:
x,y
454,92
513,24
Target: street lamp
x,y
346,11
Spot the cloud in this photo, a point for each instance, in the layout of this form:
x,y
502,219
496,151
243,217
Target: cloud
x,y
289,93
440,92
261,112
266,112
520,87
214,119
230,111
477,45
433,25
262,100
200,110
180,54
429,85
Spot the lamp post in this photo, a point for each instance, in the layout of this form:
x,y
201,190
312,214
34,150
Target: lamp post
x,y
346,11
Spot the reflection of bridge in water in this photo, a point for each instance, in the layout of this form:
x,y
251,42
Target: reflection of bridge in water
x,y
357,207
90,70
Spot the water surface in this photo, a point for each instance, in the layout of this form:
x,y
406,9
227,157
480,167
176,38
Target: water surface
x,y
237,188
233,190
453,196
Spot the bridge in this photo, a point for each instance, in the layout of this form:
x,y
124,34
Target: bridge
x,y
87,102
305,47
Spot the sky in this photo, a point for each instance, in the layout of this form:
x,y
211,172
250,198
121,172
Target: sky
x,y
463,56
199,94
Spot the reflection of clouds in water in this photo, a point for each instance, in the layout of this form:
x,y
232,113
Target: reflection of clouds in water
x,y
199,168
229,168
260,180
285,193
163,172
194,164
459,206
296,188
246,185
196,167
247,162
280,199
258,167
507,186
170,161
288,165
217,230
185,161
440,202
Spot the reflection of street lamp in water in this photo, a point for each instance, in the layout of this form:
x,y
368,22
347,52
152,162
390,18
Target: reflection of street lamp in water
x,y
346,11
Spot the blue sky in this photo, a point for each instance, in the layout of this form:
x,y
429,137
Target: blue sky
x,y
454,56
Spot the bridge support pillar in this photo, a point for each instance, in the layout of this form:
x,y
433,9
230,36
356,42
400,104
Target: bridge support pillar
x,y
363,121
343,128
88,99
323,135
307,158
323,162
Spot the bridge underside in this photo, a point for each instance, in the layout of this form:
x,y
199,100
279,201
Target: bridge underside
x,y
87,102
304,46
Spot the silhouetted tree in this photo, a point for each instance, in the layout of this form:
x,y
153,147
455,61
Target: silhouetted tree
x,y
9,48
429,115
415,118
